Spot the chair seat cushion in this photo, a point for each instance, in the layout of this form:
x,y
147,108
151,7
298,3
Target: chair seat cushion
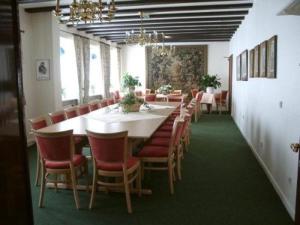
x,y
77,161
162,134
153,151
159,141
116,166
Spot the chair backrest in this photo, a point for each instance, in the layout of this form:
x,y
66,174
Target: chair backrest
x,y
110,101
174,98
147,91
138,93
176,134
111,148
194,92
224,95
150,98
177,92
94,105
38,123
116,95
58,146
199,96
103,103
57,117
83,109
71,112
186,123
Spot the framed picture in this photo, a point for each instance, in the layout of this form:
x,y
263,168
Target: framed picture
x,y
256,65
244,65
43,69
263,59
251,63
272,57
238,67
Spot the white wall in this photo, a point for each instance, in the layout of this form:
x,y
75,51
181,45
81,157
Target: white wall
x,y
268,128
40,40
134,60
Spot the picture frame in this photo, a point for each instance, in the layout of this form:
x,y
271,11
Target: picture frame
x,y
42,69
263,59
251,63
238,68
256,62
272,57
244,65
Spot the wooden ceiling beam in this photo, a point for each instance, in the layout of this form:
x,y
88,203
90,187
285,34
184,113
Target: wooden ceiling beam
x,y
155,28
158,24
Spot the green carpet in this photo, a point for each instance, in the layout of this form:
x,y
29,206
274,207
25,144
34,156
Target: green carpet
x,y
222,184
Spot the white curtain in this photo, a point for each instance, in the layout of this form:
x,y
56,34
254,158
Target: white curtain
x,y
119,64
86,68
78,53
105,66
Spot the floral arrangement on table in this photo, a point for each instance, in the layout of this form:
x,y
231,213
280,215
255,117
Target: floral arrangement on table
x,y
165,89
130,102
210,82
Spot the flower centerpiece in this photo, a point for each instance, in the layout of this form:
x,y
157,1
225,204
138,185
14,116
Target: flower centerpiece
x,y
210,82
130,102
165,89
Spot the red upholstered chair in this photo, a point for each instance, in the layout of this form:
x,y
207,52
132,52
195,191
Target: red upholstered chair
x,y
110,101
38,123
150,98
94,105
83,109
222,101
116,96
162,157
103,103
57,157
57,117
110,159
71,112
198,104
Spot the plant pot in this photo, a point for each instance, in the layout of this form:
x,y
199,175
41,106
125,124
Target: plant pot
x,y
131,108
210,90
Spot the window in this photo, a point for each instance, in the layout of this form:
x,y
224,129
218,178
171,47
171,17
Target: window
x,y
114,70
68,68
95,70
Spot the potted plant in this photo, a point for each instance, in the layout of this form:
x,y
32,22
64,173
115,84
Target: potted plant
x,y
130,102
129,83
210,82
165,89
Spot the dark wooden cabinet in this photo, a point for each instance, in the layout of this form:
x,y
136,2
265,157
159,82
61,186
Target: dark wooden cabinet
x,y
15,198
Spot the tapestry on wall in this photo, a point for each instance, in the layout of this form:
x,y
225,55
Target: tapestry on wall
x,y
182,69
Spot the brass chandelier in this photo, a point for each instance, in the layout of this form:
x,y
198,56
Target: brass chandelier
x,y
88,11
162,49
142,38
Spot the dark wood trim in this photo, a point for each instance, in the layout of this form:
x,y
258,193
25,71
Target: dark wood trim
x,y
15,195
230,66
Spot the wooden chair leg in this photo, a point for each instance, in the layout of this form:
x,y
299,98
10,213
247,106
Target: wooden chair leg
x,y
127,191
38,169
86,173
55,183
178,165
74,183
170,170
139,181
42,190
142,170
94,186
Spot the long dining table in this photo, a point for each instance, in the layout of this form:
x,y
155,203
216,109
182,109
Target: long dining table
x,y
140,125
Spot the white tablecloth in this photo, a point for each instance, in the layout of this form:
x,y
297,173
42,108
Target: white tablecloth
x,y
208,99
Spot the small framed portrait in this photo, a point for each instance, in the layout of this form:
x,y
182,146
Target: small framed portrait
x,y
238,67
256,65
251,63
244,65
263,59
43,69
272,57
